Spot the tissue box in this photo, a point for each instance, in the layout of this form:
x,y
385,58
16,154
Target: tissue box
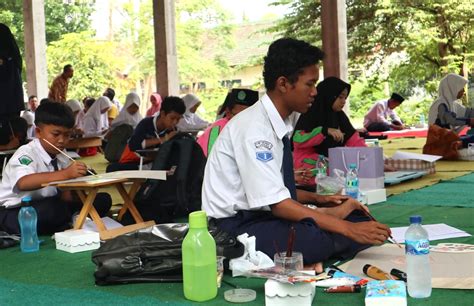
x,y
386,293
373,196
280,294
77,241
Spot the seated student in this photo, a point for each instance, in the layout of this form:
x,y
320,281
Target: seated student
x,y
76,108
129,114
37,163
113,111
377,118
236,101
446,111
191,121
155,100
93,123
249,184
153,131
325,125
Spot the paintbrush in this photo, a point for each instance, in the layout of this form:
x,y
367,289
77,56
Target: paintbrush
x,y
70,158
373,219
291,241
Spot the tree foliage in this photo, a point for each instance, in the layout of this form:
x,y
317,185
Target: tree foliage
x,y
434,37
94,68
61,17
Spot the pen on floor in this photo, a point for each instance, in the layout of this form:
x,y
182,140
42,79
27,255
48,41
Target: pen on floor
x,y
70,158
373,219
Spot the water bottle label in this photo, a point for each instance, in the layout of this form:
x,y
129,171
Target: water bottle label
x,y
352,183
417,247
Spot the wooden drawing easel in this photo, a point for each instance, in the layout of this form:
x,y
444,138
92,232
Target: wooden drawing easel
x,y
87,192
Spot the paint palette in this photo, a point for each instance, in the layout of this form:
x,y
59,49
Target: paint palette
x,y
452,248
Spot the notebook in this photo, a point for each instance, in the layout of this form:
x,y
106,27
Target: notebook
x,y
397,177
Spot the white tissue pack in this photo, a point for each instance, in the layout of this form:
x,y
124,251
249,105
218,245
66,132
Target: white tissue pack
x,y
281,294
77,241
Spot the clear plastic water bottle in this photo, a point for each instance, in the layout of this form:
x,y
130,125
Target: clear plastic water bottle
x,y
28,219
321,172
352,182
422,120
417,250
199,260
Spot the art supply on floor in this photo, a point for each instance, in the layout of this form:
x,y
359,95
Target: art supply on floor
x,y
386,293
340,274
240,295
376,273
343,289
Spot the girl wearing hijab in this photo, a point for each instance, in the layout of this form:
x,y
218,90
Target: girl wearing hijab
x,y
155,100
129,114
325,125
92,119
191,121
446,111
76,108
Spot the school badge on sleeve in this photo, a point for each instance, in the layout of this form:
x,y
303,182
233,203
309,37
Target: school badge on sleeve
x,y
264,156
25,160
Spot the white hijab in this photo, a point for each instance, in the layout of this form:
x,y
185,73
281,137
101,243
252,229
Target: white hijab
x,y
124,117
92,119
191,121
449,87
74,105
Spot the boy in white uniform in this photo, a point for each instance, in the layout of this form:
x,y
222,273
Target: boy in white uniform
x,y
249,183
37,163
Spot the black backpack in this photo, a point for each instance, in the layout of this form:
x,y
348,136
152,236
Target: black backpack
x,y
117,142
153,255
163,201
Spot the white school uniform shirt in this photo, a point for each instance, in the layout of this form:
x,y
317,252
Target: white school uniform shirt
x,y
28,159
244,169
380,112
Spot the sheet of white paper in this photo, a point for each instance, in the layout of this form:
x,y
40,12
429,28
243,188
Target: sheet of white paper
x,y
409,155
435,232
73,154
129,174
108,222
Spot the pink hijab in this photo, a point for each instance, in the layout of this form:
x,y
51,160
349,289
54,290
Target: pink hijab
x,y
155,107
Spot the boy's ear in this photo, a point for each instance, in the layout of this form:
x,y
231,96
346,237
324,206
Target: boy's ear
x,y
37,130
281,84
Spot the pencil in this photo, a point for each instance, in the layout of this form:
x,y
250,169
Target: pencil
x,y
373,219
70,158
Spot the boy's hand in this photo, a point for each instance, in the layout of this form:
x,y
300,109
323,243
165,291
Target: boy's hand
x,y
76,169
370,232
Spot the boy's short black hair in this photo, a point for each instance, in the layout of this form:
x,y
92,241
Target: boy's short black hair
x,y
88,101
67,67
173,104
109,93
55,114
288,57
32,97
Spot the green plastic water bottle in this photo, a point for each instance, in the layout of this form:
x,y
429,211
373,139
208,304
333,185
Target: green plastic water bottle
x,y
199,260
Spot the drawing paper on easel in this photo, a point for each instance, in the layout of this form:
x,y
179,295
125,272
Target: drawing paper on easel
x,y
106,177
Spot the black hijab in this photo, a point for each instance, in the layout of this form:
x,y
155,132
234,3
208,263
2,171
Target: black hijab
x,y
322,114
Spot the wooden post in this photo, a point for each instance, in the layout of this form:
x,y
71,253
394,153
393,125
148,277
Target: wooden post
x,y
166,66
35,48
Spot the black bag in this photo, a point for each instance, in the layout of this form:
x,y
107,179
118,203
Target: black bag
x,y
117,142
153,255
163,201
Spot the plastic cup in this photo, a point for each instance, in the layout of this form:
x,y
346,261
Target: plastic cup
x,y
220,270
295,262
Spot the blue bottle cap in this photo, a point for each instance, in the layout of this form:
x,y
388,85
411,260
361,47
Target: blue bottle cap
x,y
26,199
352,166
415,219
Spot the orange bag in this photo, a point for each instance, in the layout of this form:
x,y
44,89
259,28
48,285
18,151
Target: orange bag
x,y
128,156
442,142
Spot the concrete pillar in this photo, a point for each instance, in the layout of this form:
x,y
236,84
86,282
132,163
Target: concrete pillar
x,y
167,81
35,48
334,32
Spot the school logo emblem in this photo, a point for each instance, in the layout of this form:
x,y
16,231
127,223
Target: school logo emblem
x,y
25,160
264,156
263,144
